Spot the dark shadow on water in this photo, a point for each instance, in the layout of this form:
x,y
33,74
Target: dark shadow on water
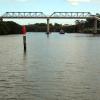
x,y
86,35
24,56
96,35
25,53
47,34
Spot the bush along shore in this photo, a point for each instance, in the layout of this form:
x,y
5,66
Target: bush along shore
x,y
81,26
9,27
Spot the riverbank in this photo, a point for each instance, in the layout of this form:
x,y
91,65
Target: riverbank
x,y
9,27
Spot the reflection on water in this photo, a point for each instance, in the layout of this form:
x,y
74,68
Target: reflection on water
x,y
47,34
61,67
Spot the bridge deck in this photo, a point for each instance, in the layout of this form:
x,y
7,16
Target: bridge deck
x,y
41,15
44,17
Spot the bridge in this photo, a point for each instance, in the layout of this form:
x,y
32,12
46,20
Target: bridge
x,y
54,15
41,15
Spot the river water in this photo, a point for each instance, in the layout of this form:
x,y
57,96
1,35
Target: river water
x,y
55,67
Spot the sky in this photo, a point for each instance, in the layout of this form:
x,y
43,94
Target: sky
x,y
48,7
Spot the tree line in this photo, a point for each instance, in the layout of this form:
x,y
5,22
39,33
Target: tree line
x,y
80,26
9,27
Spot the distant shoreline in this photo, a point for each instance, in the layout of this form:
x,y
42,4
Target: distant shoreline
x,y
10,27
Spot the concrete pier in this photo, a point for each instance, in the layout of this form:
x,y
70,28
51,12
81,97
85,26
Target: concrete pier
x,y
95,26
48,26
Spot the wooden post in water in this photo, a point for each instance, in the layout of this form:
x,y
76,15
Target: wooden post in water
x,y
24,42
24,37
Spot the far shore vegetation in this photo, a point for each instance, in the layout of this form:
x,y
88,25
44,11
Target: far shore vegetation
x,y
81,26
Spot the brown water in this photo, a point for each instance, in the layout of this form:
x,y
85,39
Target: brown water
x,y
58,67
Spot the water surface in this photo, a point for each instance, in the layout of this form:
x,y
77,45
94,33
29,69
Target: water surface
x,y
55,67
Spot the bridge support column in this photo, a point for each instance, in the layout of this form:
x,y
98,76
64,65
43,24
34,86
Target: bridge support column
x,y
95,25
48,26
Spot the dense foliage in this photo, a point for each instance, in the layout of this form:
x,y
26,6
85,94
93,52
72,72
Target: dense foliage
x,y
9,27
80,26
42,27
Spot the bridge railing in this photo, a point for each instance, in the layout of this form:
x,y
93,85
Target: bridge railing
x,y
23,14
54,15
70,14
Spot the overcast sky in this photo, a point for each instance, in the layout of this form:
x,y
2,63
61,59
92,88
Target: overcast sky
x,y
49,6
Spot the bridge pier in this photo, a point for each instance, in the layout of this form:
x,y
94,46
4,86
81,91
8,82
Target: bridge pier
x,y
95,26
48,25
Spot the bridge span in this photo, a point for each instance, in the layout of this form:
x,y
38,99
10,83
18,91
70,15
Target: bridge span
x,y
54,15
41,15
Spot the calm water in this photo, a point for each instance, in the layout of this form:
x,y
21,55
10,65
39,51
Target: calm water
x,y
58,67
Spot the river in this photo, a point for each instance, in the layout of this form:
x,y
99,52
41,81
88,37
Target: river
x,y
55,67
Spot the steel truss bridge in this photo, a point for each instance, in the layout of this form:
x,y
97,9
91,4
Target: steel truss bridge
x,y
54,15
